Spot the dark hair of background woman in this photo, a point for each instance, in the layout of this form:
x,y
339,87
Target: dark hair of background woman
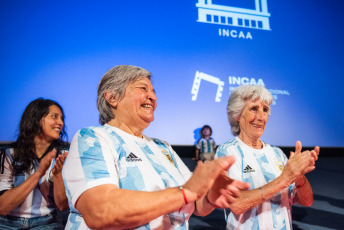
x,y
30,127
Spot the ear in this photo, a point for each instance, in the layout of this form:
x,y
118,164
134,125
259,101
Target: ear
x,y
111,99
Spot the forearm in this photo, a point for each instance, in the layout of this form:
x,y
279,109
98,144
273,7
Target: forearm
x,y
252,198
60,193
128,208
304,192
15,196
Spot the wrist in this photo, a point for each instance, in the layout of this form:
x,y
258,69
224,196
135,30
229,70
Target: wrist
x,y
206,198
284,181
190,196
299,184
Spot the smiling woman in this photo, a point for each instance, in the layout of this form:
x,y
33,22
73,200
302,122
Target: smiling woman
x,y
118,177
276,182
135,111
31,185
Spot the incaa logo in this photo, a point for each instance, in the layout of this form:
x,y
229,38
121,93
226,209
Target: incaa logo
x,y
234,82
250,14
245,81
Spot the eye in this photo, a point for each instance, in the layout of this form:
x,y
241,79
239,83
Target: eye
x,y
266,110
254,108
143,88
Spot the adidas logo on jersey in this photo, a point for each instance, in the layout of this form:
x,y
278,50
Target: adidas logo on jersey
x,y
248,169
132,157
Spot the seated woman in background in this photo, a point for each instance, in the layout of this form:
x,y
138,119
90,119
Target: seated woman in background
x,y
276,182
31,185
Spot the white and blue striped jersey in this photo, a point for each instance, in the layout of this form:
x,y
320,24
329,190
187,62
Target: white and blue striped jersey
x,y
108,155
259,167
206,145
40,201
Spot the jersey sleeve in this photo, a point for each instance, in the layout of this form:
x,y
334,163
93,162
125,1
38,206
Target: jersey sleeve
x,y
89,163
6,177
235,171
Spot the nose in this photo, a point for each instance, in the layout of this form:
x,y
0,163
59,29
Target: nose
x,y
261,114
60,121
151,96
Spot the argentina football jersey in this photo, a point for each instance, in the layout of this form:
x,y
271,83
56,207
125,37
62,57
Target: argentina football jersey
x,y
259,167
108,155
40,201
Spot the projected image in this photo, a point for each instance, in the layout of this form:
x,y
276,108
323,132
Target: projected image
x,y
61,51
250,14
246,4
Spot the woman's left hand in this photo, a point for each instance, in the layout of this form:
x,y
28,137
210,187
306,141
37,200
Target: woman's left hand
x,y
57,170
225,190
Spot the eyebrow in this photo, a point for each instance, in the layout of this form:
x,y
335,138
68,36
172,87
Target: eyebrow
x,y
146,86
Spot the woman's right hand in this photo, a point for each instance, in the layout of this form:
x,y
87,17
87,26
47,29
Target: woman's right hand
x,y
204,177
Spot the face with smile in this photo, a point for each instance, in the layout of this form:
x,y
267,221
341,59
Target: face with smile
x,y
136,109
52,124
252,120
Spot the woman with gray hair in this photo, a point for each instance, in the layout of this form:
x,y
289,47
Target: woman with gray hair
x,y
276,182
118,178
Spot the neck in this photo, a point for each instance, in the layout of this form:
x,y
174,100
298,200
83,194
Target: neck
x,y
41,146
133,130
255,143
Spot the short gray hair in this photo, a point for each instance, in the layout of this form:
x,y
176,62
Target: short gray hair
x,y
115,82
237,101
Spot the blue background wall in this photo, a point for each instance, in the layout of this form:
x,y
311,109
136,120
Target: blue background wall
x,y
61,49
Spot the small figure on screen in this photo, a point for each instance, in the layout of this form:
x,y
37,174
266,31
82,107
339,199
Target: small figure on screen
x,y
205,147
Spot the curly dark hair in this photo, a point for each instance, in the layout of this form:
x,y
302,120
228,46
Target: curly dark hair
x,y
29,128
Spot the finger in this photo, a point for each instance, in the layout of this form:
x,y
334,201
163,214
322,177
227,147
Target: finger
x,y
241,185
309,169
317,150
291,154
314,155
50,155
228,196
234,191
298,147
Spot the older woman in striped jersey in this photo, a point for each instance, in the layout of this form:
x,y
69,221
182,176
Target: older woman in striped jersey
x,y
276,182
118,178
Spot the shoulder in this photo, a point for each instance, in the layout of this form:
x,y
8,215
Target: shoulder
x,y
160,143
92,132
279,154
228,148
7,150
233,143
88,131
273,148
